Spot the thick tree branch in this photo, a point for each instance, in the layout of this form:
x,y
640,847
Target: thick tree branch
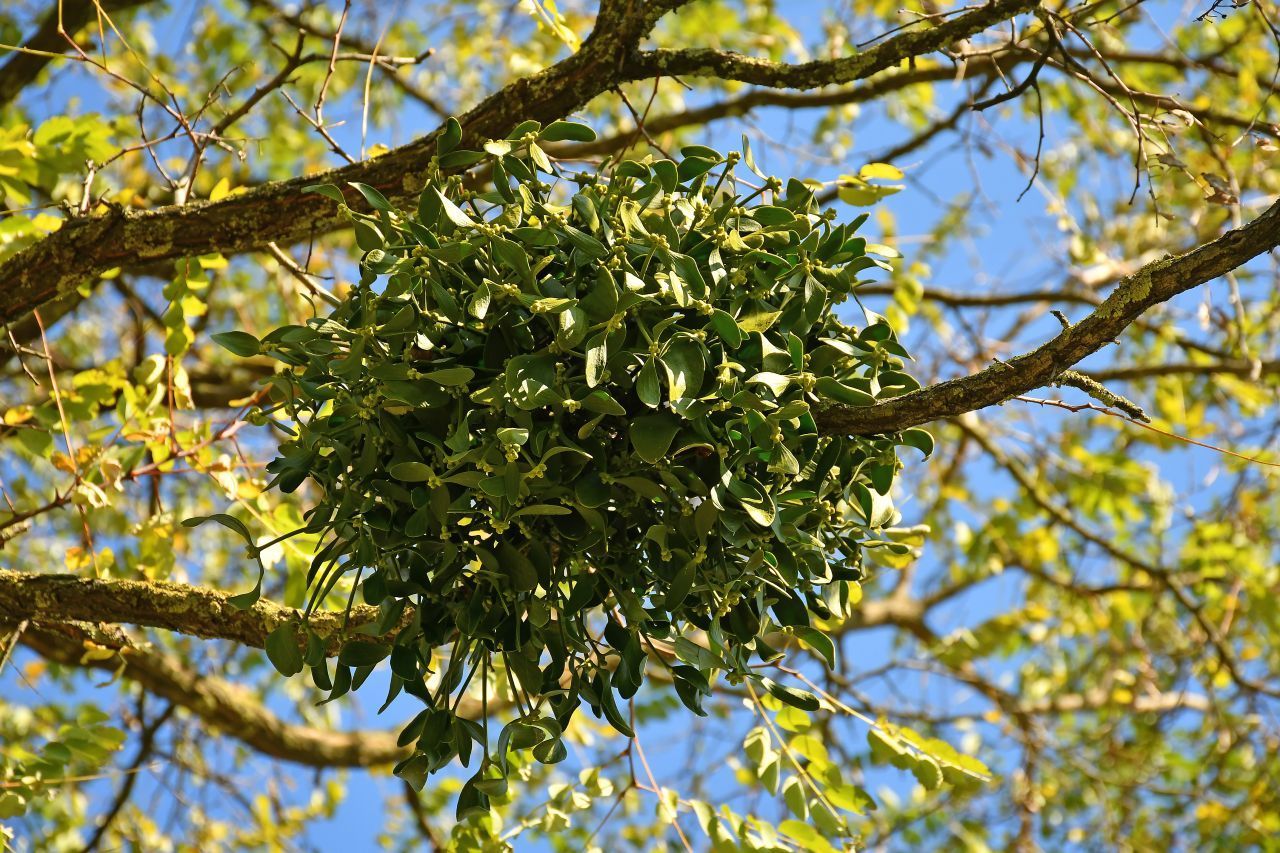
x,y
1157,282
228,707
192,610
740,105
280,212
726,65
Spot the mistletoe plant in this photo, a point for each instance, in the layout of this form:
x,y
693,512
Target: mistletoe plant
x,y
563,433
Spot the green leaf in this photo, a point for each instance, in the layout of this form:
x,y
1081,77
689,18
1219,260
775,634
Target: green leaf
x,y
919,439
603,403
454,213
449,137
601,303
478,306
450,376
749,158
513,256
572,329
651,435
228,521
648,388
761,514
460,159
667,175
886,749
540,158
597,358
357,653
832,389
411,472
413,770
246,600
561,131
769,215
927,772
328,191
242,344
551,751
283,649
498,147
758,321
523,575
793,795
775,382
805,836
857,191
530,381
880,171
684,362
681,585
585,243
726,328
820,643
609,705
691,167
691,686
374,197
472,802
802,699
493,787
695,655
368,236
542,509
513,436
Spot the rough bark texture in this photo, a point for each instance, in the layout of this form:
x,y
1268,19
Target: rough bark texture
x,y
228,707
195,611
1157,282
726,65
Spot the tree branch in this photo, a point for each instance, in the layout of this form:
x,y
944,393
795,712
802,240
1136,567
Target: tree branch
x,y
1157,282
279,212
1251,370
192,610
228,707
1162,575
727,65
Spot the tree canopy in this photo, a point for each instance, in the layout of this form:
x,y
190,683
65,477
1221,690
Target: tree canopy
x,y
639,424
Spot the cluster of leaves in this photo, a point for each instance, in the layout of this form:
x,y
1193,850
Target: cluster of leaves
x,y
81,746
563,425
789,757
46,163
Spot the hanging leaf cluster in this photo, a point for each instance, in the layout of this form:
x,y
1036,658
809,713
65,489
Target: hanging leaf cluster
x,y
562,433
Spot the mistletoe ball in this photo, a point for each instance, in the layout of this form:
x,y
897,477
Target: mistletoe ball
x,y
562,433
